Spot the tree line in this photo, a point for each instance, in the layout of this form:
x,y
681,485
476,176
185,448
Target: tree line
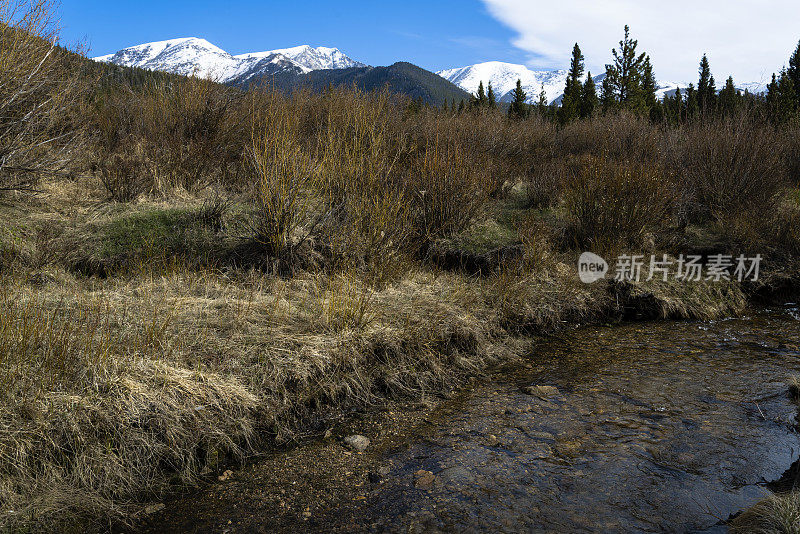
x,y
629,84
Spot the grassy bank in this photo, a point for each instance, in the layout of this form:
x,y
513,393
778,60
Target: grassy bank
x,y
190,273
117,387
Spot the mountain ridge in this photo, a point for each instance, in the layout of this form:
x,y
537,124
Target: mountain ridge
x,y
401,78
504,76
195,56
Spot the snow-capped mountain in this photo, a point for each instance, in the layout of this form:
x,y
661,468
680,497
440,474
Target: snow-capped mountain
x,y
504,76
196,56
309,58
179,56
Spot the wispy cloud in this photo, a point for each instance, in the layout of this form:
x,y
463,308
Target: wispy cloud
x,y
746,38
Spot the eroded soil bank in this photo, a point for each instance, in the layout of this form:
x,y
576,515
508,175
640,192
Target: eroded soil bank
x,y
645,427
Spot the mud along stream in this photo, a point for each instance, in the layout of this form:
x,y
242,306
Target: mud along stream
x,y
645,427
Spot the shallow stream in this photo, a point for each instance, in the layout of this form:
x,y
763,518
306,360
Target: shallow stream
x,y
643,427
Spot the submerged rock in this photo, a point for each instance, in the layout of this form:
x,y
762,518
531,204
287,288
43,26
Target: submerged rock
x,y
456,475
542,392
357,442
424,479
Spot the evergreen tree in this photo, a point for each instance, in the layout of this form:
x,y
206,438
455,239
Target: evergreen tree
x,y
589,100
782,98
492,99
571,102
623,83
607,97
541,105
480,100
461,106
692,107
649,102
542,100
453,105
772,95
794,72
668,105
706,90
729,98
677,106
519,106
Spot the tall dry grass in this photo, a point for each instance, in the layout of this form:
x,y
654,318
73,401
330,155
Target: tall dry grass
x,y
92,411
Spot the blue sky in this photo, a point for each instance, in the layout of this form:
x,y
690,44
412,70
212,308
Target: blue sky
x,y
432,34
749,39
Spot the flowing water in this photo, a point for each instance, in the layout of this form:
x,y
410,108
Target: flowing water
x,y
645,427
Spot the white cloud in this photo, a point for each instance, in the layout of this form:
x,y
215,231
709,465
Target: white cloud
x,y
749,39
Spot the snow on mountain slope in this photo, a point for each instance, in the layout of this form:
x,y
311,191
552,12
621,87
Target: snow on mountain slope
x,y
196,56
185,56
504,78
310,58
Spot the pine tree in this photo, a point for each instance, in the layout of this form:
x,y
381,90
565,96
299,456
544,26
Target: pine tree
x,y
461,106
571,102
785,100
481,101
542,107
794,72
624,77
729,98
649,102
692,107
607,97
668,105
706,90
589,100
492,98
519,106
773,94
677,106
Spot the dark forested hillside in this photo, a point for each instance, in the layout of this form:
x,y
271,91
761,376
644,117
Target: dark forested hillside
x,y
403,78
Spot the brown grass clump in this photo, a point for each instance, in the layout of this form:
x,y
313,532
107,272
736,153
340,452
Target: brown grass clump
x,y
90,417
777,514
